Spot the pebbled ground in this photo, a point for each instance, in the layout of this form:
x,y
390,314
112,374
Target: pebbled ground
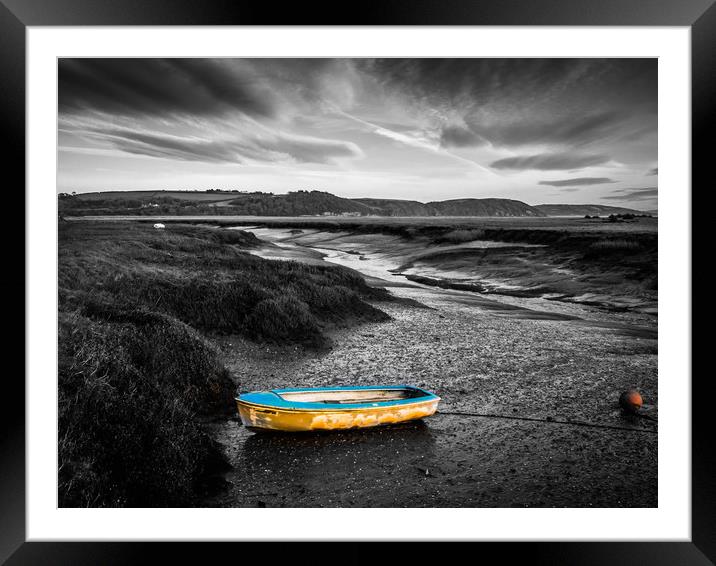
x,y
479,355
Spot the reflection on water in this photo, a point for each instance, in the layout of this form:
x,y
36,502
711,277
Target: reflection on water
x,y
376,265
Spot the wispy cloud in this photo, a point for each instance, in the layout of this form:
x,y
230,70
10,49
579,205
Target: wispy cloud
x,y
162,87
460,125
460,136
411,140
521,102
646,193
520,130
578,182
551,161
256,146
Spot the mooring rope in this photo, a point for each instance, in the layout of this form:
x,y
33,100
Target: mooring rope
x,y
552,421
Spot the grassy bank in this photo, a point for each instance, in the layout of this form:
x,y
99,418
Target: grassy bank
x,y
137,368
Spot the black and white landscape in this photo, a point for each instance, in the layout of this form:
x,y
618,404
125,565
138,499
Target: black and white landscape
x,y
482,228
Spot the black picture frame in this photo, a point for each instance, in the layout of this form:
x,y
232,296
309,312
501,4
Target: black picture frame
x,y
17,15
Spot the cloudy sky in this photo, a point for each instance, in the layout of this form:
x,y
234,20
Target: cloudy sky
x,y
536,130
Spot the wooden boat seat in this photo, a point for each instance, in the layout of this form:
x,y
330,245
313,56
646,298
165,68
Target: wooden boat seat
x,y
347,397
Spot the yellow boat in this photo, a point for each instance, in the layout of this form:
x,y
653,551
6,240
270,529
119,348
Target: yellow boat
x,y
334,408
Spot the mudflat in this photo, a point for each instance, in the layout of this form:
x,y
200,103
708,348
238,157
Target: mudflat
x,y
478,359
536,369
529,377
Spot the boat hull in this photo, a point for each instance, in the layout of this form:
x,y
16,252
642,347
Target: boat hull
x,y
261,417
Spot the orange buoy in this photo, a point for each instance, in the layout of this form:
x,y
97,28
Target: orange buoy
x,y
631,401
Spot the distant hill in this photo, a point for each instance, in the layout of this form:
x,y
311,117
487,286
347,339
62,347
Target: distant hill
x,y
313,203
584,209
295,203
309,203
394,207
457,207
482,207
200,196
298,203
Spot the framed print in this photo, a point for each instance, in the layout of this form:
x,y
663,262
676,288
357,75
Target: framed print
x,y
400,278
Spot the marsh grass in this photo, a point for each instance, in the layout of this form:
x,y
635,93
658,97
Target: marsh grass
x,y
615,244
129,392
137,367
203,277
461,236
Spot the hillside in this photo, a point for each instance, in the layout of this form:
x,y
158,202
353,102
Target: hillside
x,y
584,209
145,196
308,203
482,207
395,207
297,203
457,207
